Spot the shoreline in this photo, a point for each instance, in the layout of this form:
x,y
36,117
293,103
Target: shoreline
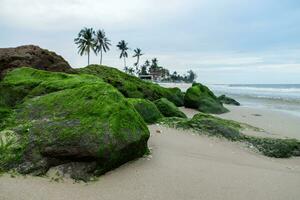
x,y
273,123
182,165
185,165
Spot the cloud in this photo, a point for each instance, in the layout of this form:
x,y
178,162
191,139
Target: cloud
x,y
67,14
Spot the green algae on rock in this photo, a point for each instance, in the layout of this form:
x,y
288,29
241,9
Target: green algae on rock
x,y
227,100
202,98
168,109
146,109
62,118
231,130
133,87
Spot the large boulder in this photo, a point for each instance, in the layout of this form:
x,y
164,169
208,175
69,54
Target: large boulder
x,y
146,109
60,118
227,100
168,109
202,98
133,87
32,56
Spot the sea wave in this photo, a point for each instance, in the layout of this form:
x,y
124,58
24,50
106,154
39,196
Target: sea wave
x,y
279,88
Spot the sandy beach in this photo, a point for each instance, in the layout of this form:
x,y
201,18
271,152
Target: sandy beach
x,y
182,165
274,123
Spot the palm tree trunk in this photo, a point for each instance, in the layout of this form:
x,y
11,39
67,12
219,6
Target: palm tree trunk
x,y
88,58
101,57
124,61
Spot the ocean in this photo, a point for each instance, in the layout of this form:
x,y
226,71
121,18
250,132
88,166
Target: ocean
x,y
283,97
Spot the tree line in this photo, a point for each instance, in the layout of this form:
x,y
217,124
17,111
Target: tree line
x,y
89,40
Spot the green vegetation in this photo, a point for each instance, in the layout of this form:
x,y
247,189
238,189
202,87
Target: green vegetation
x,y
214,126
227,100
146,109
168,109
202,98
133,87
159,72
61,117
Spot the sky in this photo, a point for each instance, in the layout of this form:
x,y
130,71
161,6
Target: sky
x,y
223,41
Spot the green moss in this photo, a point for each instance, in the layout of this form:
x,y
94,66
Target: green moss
x,y
73,117
214,126
168,109
146,109
11,149
227,100
278,148
133,87
202,98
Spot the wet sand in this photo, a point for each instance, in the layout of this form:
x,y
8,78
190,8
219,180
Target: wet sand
x,y
182,165
274,123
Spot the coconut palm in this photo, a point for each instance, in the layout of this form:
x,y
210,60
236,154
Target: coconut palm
x,y
154,65
122,45
85,42
137,54
102,43
130,70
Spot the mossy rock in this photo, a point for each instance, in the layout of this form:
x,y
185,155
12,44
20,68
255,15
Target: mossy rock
x,y
168,109
202,98
146,109
65,118
133,87
231,130
227,100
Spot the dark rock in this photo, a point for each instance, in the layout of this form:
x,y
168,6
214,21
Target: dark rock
x,y
227,100
32,56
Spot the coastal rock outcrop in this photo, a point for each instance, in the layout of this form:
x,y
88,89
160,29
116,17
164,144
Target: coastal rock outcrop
x,y
146,109
133,87
57,118
168,109
32,56
227,100
202,98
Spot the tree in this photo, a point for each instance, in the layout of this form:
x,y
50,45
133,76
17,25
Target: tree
x,y
191,76
122,45
102,43
85,42
130,70
137,54
154,65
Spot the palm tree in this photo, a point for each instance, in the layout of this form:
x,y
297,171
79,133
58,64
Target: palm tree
x,y
137,54
122,45
102,43
85,42
154,65
130,70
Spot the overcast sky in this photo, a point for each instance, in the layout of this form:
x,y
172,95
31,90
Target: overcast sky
x,y
224,41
